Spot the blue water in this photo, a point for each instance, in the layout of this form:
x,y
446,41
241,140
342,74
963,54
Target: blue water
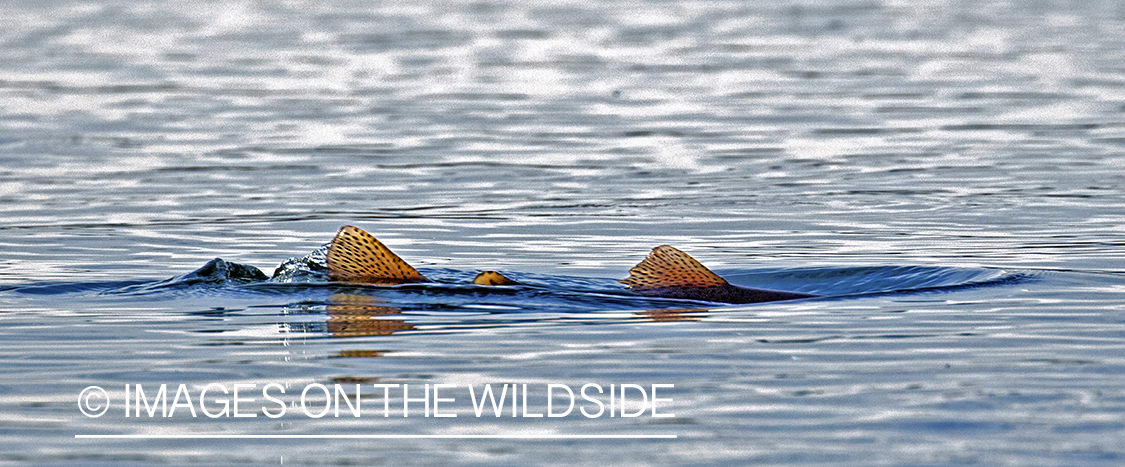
x,y
947,177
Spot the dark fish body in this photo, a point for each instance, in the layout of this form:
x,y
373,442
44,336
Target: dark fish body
x,y
726,293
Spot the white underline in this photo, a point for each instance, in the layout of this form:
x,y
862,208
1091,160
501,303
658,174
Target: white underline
x,y
484,436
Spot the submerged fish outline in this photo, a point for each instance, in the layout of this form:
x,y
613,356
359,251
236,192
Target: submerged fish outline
x,y
357,256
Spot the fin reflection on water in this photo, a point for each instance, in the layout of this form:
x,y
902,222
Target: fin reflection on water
x,y
352,315
674,314
356,256
357,315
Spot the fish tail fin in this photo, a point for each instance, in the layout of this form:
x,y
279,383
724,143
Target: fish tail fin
x,y
493,278
356,256
668,267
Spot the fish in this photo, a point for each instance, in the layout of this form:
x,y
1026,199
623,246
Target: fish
x,y
358,257
670,273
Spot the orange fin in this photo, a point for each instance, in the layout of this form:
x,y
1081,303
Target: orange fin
x,y
356,256
668,267
493,278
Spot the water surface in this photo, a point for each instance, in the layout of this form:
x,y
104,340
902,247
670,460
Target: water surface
x,y
949,176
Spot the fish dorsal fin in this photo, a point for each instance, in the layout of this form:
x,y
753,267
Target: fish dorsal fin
x,y
668,267
356,256
493,278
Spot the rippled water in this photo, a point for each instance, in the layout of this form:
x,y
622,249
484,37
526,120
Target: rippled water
x,y
949,177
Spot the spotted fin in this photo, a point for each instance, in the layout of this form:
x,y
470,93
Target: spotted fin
x,y
356,256
667,267
493,278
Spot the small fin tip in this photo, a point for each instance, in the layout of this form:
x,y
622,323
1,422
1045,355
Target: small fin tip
x,y
493,278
